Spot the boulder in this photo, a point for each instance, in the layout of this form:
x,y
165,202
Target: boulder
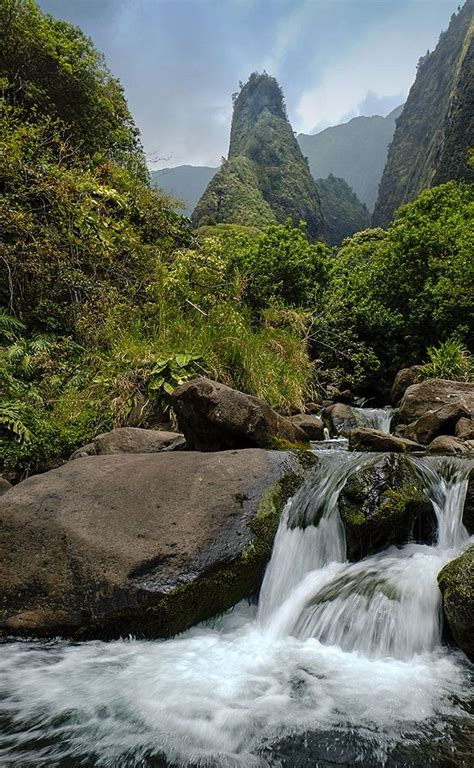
x,y
214,417
383,504
312,426
447,444
465,429
143,544
456,582
404,379
340,419
367,439
441,421
131,440
431,394
345,396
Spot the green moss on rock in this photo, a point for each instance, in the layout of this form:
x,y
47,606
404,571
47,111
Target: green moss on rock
x,y
456,582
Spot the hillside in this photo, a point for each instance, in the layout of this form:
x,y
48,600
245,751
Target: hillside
x,y
355,151
434,132
343,212
265,178
184,182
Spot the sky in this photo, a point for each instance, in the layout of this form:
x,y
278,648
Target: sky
x,y
180,61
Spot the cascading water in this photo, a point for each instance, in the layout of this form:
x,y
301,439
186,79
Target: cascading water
x,y
340,665
375,418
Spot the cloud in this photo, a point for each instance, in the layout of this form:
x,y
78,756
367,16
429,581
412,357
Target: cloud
x,y
376,72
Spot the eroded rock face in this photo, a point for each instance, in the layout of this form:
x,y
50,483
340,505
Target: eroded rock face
x,y
404,379
142,544
312,426
367,439
432,394
5,485
441,421
214,417
131,440
456,582
383,504
340,419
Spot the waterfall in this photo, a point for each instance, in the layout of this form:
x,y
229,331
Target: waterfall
x,y
375,418
339,664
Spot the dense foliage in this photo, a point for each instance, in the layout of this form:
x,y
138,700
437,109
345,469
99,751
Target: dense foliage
x,y
434,132
343,212
265,178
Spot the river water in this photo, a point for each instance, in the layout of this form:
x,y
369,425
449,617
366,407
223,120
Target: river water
x,y
339,665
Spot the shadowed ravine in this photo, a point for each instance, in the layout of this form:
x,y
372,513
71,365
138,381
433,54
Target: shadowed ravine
x,y
341,664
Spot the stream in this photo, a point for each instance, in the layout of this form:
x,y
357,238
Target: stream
x,y
339,665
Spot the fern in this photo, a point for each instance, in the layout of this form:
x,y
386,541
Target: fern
x,y
10,419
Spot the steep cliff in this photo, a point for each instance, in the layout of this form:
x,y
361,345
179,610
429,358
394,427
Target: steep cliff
x,y
435,130
265,178
343,212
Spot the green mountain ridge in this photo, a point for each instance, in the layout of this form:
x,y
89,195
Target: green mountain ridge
x,y
355,151
265,179
343,212
434,133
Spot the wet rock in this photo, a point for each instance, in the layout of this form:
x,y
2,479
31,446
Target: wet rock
x,y
456,582
131,440
441,421
432,394
383,504
214,417
367,439
465,429
468,512
146,544
312,426
340,419
447,444
404,379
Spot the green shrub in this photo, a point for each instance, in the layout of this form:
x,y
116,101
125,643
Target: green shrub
x,y
450,360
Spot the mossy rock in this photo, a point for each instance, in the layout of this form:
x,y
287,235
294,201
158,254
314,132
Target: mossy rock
x,y
384,504
144,544
456,582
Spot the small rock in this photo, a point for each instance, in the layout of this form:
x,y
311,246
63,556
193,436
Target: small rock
x,y
312,426
5,485
131,440
447,444
340,418
441,421
345,396
367,439
464,429
314,407
456,582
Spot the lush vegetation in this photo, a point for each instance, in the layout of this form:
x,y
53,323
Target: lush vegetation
x,y
434,132
343,212
265,179
108,299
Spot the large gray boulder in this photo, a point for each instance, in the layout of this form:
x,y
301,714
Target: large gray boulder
x,y
383,504
139,544
432,394
367,439
214,417
456,582
465,429
131,440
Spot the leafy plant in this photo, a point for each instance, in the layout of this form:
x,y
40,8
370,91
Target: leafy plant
x,y
450,360
11,420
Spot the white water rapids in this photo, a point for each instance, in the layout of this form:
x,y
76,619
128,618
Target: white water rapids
x,y
340,665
